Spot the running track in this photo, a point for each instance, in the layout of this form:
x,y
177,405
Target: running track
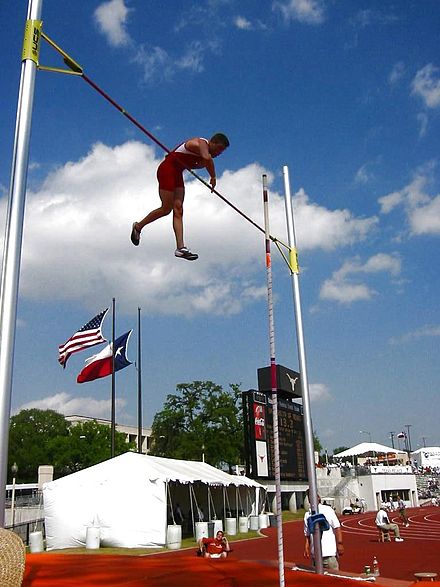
x,y
424,525
420,551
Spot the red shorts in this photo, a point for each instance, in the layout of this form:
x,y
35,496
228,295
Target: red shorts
x,y
169,176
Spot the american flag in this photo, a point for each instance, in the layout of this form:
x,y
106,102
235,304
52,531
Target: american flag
x,y
89,335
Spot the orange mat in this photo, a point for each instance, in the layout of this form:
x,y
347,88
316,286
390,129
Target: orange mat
x,y
60,570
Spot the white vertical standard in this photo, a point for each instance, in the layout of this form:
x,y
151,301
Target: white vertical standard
x,y
308,427
14,230
274,386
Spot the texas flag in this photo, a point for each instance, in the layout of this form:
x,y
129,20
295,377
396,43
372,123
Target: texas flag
x,y
100,365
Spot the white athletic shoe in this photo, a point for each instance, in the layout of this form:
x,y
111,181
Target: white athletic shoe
x,y
406,525
184,253
398,539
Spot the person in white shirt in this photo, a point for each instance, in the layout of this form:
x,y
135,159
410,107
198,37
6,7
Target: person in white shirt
x,y
383,522
332,545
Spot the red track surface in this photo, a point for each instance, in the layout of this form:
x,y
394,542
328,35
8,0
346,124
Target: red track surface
x,y
252,562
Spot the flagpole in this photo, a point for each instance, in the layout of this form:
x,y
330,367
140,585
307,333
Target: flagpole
x,y
14,231
139,370
113,418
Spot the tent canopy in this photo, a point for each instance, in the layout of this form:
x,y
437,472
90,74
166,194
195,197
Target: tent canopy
x,y
427,449
129,499
365,448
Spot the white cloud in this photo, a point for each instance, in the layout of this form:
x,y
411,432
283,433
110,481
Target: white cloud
x,y
426,85
426,219
192,59
242,23
319,227
397,72
424,332
319,392
306,11
111,18
155,63
390,201
422,119
363,175
381,262
422,210
342,291
69,405
77,247
158,64
367,17
342,288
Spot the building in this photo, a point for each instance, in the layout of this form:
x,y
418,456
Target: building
x,y
131,432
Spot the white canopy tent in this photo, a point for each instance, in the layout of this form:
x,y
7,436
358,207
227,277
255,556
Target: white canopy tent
x,y
129,498
428,456
365,448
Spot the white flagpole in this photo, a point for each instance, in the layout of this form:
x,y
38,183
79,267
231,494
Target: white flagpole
x,y
308,427
14,231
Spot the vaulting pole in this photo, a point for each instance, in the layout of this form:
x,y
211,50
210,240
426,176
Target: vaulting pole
x,y
14,231
274,386
308,427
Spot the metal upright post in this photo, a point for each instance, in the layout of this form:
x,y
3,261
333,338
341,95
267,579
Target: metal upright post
x,y
274,388
113,407
14,231
139,372
308,427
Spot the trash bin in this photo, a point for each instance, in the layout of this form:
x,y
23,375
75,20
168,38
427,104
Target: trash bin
x,y
272,520
253,522
174,537
211,529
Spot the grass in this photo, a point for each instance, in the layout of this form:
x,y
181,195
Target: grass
x,y
188,542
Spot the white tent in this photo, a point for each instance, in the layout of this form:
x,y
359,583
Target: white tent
x,y
366,448
126,497
428,456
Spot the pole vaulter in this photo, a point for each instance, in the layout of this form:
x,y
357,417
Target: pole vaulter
x,y
76,69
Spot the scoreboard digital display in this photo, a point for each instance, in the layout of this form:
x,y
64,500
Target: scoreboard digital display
x,y
258,418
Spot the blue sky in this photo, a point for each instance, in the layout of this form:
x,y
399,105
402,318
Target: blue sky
x,y
346,94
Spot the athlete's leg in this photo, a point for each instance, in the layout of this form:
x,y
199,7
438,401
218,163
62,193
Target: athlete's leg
x,y
179,195
167,198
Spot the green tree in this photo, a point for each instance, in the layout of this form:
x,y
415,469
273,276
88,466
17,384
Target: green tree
x,y
200,419
44,437
87,444
31,436
339,449
317,446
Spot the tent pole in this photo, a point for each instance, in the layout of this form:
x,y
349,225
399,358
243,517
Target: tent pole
x,y
192,510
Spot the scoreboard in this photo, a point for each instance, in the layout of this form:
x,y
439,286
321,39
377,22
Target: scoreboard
x,y
258,422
